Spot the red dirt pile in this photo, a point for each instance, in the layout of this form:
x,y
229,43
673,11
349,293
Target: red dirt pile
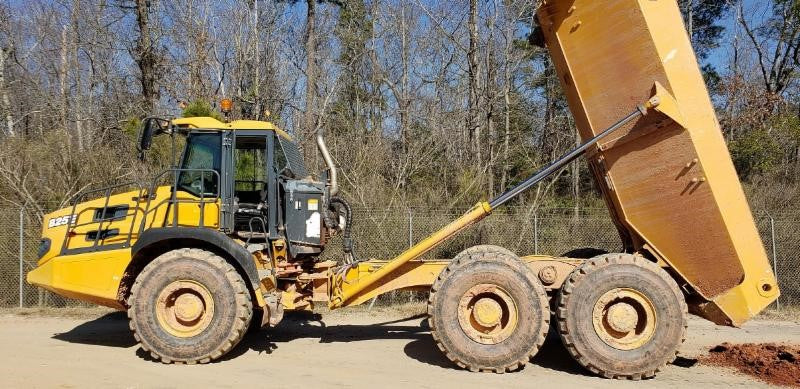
x,y
775,364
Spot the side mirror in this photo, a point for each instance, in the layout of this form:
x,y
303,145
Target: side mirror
x,y
151,126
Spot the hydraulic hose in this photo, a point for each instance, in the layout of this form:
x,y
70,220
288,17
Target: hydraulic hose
x,y
347,241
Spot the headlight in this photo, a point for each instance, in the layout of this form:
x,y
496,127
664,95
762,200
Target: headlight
x,y
44,247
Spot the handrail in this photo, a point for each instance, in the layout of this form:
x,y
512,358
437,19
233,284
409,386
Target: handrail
x,y
143,190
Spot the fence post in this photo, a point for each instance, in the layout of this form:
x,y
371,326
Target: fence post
x,y
774,256
535,231
21,251
410,229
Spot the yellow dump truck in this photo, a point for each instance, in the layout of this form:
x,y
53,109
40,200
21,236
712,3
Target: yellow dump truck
x,y
239,225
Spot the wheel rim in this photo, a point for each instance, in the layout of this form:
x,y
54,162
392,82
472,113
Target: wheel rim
x,y
487,314
184,308
624,318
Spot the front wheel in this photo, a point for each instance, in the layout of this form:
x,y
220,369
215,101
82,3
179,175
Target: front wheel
x,y
189,306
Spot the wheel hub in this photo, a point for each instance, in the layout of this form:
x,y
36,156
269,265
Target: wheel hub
x,y
487,314
188,307
184,308
624,318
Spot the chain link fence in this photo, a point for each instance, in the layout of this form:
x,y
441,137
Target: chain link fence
x,y
385,233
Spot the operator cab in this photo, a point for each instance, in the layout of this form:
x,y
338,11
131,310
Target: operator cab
x,y
256,172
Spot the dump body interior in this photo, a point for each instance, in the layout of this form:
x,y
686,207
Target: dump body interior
x,y
668,180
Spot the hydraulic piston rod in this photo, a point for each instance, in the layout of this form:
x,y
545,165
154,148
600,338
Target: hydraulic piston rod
x,y
482,209
570,156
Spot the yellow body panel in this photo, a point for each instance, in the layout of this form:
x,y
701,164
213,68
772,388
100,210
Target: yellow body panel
x,y
420,275
669,181
75,267
92,277
210,123
411,275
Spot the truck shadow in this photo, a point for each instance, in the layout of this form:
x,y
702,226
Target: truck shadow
x,y
111,330
551,356
300,325
306,325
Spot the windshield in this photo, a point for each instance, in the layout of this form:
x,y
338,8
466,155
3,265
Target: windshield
x,y
202,152
290,157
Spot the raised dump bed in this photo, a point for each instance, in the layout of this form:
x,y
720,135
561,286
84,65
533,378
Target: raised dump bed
x,y
668,181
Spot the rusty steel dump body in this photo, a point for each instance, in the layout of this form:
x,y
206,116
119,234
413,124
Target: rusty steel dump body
x,y
668,180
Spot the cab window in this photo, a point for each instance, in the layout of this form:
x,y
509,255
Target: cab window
x,y
250,178
201,157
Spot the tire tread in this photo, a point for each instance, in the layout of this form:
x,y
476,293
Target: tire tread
x,y
579,274
244,309
473,254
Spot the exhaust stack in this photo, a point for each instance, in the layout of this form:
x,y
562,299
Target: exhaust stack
x,y
326,155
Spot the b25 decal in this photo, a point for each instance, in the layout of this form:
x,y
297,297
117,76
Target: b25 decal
x,y
60,221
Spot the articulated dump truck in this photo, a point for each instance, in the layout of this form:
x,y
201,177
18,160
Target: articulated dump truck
x,y
234,232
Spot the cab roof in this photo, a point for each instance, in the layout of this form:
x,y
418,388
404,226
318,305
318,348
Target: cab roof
x,y
210,123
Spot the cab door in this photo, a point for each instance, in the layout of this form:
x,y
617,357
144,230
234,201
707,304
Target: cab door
x,y
251,183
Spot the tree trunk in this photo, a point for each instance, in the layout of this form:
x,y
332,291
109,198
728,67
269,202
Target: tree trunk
x,y
376,124
507,128
489,86
576,177
404,103
6,101
77,97
198,22
734,77
472,59
309,122
507,100
145,56
62,80
258,107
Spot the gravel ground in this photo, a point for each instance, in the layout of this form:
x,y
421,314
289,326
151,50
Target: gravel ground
x,y
385,347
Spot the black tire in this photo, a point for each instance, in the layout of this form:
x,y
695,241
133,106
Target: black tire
x,y
584,253
465,255
232,308
487,265
599,276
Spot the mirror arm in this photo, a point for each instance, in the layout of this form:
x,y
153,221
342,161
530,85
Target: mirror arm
x,y
164,127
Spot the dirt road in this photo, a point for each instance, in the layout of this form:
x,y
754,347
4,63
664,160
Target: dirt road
x,y
344,349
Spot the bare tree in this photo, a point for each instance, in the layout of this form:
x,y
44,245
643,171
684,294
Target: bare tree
x,y
473,127
145,55
780,33
5,53
309,120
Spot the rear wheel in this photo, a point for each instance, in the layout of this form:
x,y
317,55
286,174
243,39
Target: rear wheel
x,y
189,306
488,311
621,316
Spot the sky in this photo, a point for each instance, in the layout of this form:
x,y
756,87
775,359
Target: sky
x,y
756,11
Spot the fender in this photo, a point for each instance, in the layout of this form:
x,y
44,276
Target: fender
x,y
216,239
